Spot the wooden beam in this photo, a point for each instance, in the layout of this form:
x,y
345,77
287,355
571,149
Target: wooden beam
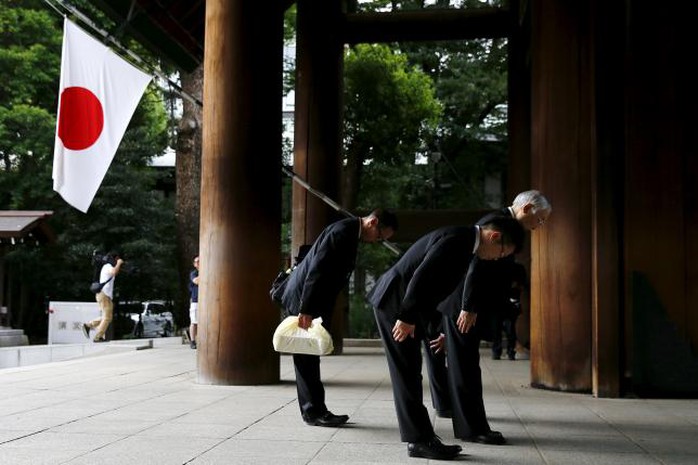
x,y
413,224
426,25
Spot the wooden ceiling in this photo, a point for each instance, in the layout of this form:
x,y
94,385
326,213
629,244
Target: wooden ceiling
x,y
173,29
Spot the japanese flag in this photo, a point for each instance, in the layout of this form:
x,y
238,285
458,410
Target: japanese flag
x,y
98,94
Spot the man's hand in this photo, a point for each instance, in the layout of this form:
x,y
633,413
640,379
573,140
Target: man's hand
x,y
305,320
401,330
438,345
465,321
117,267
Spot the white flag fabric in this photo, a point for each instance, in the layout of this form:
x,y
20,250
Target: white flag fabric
x,y
99,92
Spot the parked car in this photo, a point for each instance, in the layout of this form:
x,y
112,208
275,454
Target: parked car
x,y
154,319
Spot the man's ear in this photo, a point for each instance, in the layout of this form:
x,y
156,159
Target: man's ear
x,y
495,236
373,221
527,208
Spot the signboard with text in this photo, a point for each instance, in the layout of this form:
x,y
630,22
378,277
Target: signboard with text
x,y
65,320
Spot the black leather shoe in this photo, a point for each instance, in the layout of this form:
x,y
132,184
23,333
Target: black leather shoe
x,y
490,437
327,419
433,449
86,330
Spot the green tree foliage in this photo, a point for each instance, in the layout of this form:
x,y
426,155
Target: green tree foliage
x,y
471,82
470,78
390,108
127,214
463,144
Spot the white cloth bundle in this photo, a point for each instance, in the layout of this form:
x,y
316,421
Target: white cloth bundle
x,y
290,338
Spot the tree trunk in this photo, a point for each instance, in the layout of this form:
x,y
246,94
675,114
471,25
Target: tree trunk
x,y
188,176
351,179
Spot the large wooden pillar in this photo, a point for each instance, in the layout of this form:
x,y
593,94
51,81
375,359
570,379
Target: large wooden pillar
x,y
240,192
317,124
519,95
607,160
561,146
661,207
577,152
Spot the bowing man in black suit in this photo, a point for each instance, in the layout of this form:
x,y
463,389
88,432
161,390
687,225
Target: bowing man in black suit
x,y
405,300
312,290
469,313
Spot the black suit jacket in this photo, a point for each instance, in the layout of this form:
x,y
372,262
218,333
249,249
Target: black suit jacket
x,y
315,283
487,282
428,272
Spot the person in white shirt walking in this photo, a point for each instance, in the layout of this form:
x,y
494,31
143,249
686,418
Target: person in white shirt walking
x,y
105,297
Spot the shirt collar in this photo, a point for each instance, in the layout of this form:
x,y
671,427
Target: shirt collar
x,y
477,238
513,213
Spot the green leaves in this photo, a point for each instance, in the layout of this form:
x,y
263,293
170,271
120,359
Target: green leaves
x,y
128,214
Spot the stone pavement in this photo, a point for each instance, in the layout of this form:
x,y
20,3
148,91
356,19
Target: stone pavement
x,y
144,407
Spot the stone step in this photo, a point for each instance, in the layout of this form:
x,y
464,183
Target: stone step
x,y
12,337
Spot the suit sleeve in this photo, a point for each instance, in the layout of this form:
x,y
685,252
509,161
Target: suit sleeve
x,y
427,280
487,284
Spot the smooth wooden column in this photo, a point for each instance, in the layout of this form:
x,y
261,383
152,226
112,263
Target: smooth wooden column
x,y
561,146
607,196
240,192
519,172
317,153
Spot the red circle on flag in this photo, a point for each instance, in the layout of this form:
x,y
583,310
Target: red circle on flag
x,y
81,118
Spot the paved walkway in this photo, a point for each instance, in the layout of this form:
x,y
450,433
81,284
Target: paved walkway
x,y
144,407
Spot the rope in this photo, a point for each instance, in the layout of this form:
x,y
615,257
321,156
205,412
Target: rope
x,y
389,245
111,39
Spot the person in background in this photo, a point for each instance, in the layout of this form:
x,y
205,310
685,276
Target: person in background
x,y
194,302
506,320
405,300
312,290
105,297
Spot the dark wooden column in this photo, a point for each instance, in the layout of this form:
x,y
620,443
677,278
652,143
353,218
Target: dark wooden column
x,y
661,210
607,160
519,172
561,145
317,123
240,192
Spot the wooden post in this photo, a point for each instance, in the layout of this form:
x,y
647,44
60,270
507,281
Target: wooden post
x,y
317,137
519,172
240,192
561,146
607,161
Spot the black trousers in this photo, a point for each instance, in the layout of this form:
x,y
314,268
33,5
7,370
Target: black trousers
x,y
508,324
405,367
311,392
438,378
465,381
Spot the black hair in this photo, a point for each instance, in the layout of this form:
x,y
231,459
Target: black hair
x,y
510,228
111,257
386,218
